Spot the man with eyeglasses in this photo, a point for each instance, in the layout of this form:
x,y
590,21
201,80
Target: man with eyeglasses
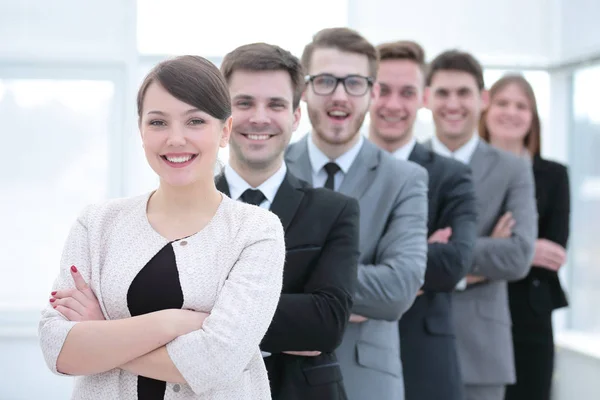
x,y
392,196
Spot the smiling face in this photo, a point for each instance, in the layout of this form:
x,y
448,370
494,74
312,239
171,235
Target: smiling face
x,y
510,115
263,117
336,118
456,104
394,112
180,141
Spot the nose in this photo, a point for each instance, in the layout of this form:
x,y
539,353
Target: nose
x,y
513,110
393,102
339,94
176,136
452,102
260,116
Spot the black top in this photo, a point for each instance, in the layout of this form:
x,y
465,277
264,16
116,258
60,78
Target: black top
x,y
156,287
540,291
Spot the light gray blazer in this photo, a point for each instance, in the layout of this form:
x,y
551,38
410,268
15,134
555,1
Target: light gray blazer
x,y
393,254
503,182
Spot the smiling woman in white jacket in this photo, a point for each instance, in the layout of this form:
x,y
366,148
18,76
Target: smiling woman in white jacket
x,y
168,295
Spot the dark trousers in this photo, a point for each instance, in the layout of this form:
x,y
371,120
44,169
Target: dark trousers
x,y
534,359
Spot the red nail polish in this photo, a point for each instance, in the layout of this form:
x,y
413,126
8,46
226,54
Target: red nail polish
x,y
53,293
52,300
73,268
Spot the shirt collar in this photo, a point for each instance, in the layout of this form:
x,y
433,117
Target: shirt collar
x,y
463,154
404,152
269,188
318,159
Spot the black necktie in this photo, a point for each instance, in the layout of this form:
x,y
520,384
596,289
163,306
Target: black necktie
x,y
253,196
331,168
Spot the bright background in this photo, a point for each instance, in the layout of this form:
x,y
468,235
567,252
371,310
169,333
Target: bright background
x,y
69,72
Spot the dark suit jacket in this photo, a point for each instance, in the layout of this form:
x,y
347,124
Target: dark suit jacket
x,y
540,292
319,280
429,357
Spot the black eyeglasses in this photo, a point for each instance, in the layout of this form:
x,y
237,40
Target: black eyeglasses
x,y
326,84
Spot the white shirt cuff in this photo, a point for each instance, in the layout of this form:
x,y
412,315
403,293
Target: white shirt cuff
x,y
462,284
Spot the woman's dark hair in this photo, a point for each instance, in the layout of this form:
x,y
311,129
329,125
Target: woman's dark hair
x,y
532,140
193,80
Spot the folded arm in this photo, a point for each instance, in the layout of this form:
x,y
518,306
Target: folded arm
x,y
90,347
388,288
448,263
316,319
510,258
217,354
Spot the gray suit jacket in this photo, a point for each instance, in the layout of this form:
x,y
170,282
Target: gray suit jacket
x,y
392,195
503,182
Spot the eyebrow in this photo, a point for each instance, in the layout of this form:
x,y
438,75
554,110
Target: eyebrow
x,y
456,89
158,112
248,97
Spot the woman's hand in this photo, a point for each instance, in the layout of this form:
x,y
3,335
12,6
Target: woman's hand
x,y
549,255
79,304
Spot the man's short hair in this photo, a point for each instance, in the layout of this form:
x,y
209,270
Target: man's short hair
x,y
456,60
343,39
266,57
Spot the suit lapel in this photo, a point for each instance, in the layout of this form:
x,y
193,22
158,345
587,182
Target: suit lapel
x,y
482,161
420,155
287,200
362,172
297,159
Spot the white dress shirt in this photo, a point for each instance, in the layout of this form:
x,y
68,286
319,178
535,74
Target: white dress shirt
x,y
463,154
318,160
404,152
269,188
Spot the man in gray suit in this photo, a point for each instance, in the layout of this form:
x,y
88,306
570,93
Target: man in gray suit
x,y
392,195
507,224
427,339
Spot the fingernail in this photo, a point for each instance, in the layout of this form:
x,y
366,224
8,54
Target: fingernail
x,y
52,300
53,293
73,268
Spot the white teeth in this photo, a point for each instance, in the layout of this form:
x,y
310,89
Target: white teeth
x,y
337,113
258,137
179,160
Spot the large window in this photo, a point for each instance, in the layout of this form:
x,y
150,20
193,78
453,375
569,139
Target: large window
x,y
55,138
584,247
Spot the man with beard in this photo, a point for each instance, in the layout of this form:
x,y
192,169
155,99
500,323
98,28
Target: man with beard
x,y
321,227
392,194
426,333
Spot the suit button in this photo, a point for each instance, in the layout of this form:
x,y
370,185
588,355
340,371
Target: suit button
x,y
183,243
176,388
536,282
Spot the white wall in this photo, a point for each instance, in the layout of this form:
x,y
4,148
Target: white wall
x,y
580,36
69,30
508,32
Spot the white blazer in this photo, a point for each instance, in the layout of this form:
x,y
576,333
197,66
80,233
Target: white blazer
x,y
233,269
